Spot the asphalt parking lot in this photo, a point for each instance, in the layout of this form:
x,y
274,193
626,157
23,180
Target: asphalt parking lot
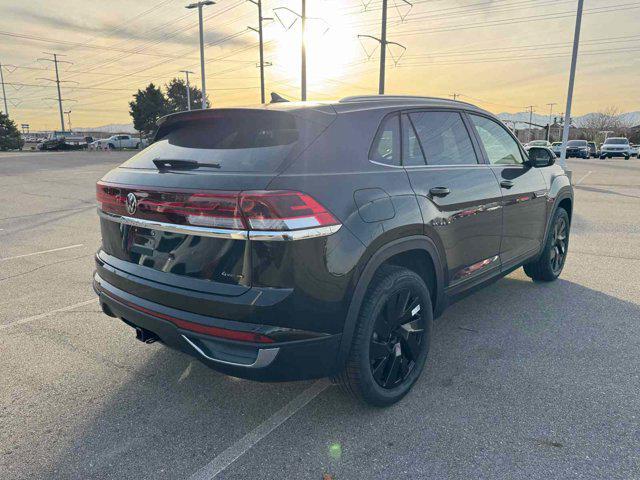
x,y
524,380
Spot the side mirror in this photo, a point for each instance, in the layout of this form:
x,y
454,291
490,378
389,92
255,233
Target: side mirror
x,y
541,157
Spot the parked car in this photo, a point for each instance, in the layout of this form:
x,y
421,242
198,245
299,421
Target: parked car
x,y
577,148
593,149
120,141
298,241
539,143
635,150
615,147
556,147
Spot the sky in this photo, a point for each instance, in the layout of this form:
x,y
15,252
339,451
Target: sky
x,y
503,55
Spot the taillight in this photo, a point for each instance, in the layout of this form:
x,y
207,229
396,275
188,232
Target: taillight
x,y
279,210
283,210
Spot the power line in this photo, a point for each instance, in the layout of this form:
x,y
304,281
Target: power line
x,y
525,19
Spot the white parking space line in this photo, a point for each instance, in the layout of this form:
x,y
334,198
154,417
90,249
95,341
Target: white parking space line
x,y
242,446
583,177
2,259
47,314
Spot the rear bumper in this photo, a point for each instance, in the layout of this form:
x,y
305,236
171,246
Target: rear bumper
x,y
578,154
615,154
309,355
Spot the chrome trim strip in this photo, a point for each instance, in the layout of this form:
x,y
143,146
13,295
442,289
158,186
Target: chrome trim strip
x,y
170,227
291,235
257,235
265,356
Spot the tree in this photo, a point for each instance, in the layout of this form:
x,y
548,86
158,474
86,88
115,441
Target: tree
x,y
607,120
177,96
147,107
10,138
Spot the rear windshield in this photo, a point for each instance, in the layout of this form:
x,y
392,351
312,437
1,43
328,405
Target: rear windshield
x,y
240,141
617,141
577,143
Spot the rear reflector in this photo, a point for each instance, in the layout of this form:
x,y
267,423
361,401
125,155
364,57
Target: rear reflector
x,y
241,336
251,210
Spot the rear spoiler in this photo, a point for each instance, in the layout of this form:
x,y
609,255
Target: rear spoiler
x,y
322,114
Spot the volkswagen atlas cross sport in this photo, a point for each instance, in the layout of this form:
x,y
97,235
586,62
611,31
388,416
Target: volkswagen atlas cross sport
x,y
303,240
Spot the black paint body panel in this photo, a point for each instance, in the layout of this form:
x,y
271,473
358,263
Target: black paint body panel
x,y
317,284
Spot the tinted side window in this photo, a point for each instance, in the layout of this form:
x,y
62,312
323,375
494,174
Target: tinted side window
x,y
501,148
411,149
386,148
444,138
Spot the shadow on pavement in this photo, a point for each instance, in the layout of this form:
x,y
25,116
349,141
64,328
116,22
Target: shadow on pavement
x,y
522,377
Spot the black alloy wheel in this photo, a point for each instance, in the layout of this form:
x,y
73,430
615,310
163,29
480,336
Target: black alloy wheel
x,y
558,251
391,339
548,266
396,339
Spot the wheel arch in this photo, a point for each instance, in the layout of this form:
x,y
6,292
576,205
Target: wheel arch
x,y
418,253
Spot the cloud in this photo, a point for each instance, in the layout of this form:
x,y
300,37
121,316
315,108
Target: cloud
x,y
184,35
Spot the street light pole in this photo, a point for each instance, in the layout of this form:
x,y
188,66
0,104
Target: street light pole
x,y
572,76
199,6
187,72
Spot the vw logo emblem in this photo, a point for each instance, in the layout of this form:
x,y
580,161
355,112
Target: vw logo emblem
x,y
132,204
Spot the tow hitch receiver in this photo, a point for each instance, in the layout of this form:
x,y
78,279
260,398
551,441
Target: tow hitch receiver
x,y
145,335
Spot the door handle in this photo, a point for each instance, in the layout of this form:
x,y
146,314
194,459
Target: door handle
x,y
439,191
506,184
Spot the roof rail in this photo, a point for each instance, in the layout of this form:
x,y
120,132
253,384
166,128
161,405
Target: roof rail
x,y
393,98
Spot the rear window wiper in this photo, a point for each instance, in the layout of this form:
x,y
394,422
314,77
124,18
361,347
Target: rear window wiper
x,y
162,164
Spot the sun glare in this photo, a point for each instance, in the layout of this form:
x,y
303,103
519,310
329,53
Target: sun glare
x,y
329,45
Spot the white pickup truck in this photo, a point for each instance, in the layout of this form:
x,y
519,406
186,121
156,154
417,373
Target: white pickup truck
x,y
119,141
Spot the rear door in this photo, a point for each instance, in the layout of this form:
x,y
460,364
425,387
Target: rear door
x,y
458,195
524,190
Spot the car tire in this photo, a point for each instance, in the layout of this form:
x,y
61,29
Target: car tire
x,y
388,354
602,157
111,146
138,146
548,266
626,157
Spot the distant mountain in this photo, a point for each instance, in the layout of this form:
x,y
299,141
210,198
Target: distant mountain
x,y
633,118
111,128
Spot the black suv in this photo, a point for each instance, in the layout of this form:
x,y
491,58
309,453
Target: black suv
x,y
303,240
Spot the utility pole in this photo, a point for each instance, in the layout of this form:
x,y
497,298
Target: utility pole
x,y
68,113
4,93
530,107
383,44
57,81
455,95
303,60
572,77
383,48
199,6
550,114
187,72
258,3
